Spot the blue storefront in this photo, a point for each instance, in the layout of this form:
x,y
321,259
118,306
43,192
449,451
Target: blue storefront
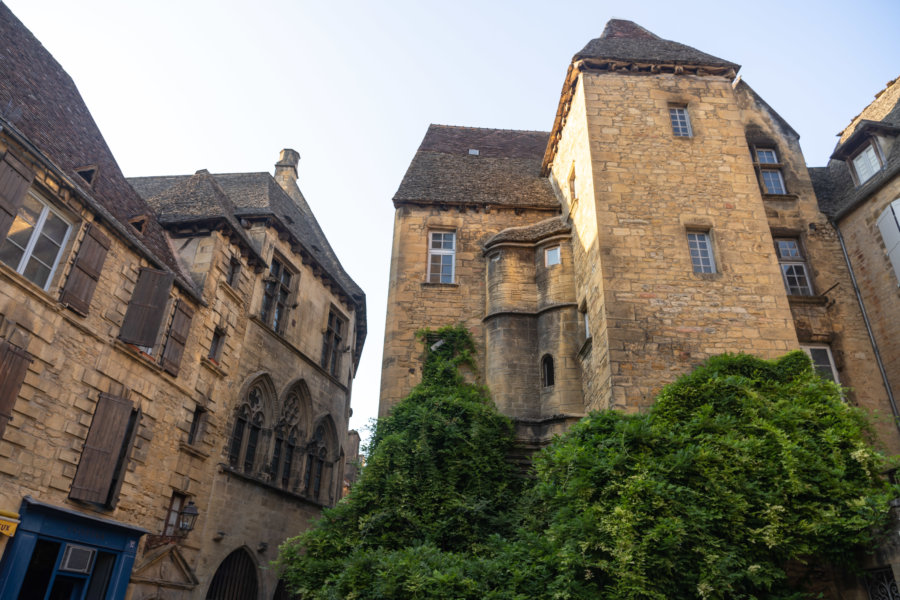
x,y
61,554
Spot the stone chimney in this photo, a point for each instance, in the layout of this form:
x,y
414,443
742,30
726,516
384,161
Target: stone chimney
x,y
286,168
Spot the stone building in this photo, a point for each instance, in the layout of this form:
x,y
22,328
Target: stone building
x,y
176,360
668,216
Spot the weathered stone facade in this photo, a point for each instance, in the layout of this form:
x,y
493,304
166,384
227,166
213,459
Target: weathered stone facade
x,y
191,349
687,226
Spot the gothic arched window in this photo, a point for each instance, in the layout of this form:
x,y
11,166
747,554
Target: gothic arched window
x,y
319,463
248,426
287,434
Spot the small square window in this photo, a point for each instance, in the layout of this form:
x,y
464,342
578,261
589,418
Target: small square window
x,y
551,256
681,122
35,241
701,252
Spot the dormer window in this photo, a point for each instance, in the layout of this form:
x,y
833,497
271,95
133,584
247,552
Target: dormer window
x,y
866,163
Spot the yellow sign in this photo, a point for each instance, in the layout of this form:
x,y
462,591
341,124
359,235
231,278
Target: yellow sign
x,y
8,527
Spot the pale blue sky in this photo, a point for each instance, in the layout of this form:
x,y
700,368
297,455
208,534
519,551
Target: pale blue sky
x,y
224,85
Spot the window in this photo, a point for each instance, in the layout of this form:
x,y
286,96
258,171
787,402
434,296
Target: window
x,y
198,426
173,516
701,252
35,241
572,195
248,425
587,326
681,122
147,309
866,163
331,343
106,451
551,256
319,463
441,256
768,165
233,272
14,363
793,267
287,435
823,361
881,585
276,296
547,376
215,347
85,271
889,226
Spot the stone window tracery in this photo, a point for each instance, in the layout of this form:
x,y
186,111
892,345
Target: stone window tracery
x,y
318,468
248,426
287,435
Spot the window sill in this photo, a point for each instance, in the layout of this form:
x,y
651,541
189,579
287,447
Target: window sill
x,y
138,355
767,196
233,292
213,366
813,300
707,276
434,284
229,470
193,450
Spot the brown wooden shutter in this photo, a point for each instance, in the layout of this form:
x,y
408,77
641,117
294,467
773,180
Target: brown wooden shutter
x,y
85,271
178,334
147,307
97,467
14,363
15,178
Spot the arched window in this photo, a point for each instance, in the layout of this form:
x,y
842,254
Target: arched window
x,y
319,463
547,371
248,426
288,433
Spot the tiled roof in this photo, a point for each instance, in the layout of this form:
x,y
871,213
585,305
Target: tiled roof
x,y
835,190
628,41
183,199
40,101
505,171
530,234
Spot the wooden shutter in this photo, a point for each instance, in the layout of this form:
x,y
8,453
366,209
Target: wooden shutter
x,y
97,467
178,334
14,363
147,307
15,178
85,271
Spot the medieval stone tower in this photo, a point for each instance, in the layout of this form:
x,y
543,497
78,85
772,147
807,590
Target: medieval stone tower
x,y
668,216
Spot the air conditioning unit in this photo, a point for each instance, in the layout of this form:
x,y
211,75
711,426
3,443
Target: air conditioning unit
x,y
77,559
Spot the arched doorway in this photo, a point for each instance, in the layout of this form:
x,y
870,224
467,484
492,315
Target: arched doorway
x,y
235,579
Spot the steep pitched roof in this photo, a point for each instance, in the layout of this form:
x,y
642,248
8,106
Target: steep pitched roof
x,y
183,199
506,171
628,41
835,190
39,101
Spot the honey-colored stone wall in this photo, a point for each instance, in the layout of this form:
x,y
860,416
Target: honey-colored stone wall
x,y
414,304
76,358
881,295
651,188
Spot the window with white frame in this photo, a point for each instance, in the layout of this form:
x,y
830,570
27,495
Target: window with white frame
x,y
794,270
35,241
681,121
823,361
551,256
866,163
889,226
770,175
441,256
700,247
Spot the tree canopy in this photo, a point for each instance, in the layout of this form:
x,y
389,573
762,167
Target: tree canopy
x,y
740,468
